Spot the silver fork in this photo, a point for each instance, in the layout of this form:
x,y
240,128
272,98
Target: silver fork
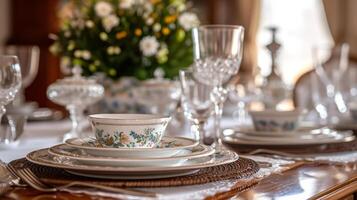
x,y
282,155
30,178
15,179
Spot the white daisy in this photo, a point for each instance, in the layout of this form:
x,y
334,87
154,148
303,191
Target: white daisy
x,y
77,53
126,4
109,22
103,9
149,45
86,55
156,27
188,20
89,24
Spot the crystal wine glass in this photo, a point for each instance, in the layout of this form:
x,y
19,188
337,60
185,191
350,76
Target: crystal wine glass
x,y
218,53
10,83
195,101
29,57
331,78
243,93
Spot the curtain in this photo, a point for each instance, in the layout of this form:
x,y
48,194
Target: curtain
x,y
245,13
341,17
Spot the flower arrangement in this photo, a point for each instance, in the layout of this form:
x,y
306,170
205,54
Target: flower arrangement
x,y
126,37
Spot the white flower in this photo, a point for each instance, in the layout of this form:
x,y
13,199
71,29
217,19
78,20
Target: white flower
x,y
126,4
67,34
103,9
113,50
109,22
149,45
77,53
161,55
188,20
103,36
148,8
86,55
55,48
156,27
89,24
65,65
149,21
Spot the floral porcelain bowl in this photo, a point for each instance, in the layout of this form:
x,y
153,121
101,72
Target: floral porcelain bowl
x,y
274,120
128,130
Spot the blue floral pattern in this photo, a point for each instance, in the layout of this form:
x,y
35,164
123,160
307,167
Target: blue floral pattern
x,y
148,138
162,144
271,125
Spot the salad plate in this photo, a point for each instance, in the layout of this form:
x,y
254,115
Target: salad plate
x,y
335,137
299,133
167,147
43,158
81,156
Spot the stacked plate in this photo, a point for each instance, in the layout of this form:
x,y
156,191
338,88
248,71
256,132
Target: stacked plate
x,y
173,156
250,136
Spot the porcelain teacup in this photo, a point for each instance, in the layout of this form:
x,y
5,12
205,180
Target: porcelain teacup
x,y
274,120
128,130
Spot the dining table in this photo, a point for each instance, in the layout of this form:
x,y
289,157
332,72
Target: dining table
x,y
292,180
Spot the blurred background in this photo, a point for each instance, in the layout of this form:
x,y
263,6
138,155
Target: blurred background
x,y
300,24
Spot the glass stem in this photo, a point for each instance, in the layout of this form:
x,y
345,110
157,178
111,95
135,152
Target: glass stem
x,y
218,107
76,114
3,134
218,96
200,132
2,112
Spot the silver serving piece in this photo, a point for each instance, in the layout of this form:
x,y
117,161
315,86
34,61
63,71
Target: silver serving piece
x,y
76,93
274,90
158,95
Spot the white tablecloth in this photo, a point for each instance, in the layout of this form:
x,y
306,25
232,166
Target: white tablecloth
x,y
45,134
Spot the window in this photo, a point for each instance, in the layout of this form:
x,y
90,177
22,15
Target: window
x,y
301,24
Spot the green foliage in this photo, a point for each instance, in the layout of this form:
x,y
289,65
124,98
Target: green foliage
x,y
111,43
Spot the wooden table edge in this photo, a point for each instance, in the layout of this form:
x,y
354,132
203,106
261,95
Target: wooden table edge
x,y
338,191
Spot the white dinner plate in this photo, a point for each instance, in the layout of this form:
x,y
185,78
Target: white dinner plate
x,y
168,146
334,137
42,157
85,158
250,133
130,177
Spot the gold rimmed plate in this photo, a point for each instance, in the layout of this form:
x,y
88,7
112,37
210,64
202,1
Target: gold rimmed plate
x,y
167,147
42,157
81,156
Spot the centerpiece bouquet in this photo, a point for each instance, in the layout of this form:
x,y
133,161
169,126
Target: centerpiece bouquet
x,y
125,37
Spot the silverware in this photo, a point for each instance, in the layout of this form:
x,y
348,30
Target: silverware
x,y
280,154
7,179
30,178
285,156
295,157
8,174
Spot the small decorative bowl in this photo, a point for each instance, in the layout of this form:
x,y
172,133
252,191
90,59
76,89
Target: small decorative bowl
x,y
274,120
353,110
128,130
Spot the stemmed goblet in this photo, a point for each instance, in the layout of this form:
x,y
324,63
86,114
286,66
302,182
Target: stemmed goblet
x,y
10,83
195,101
218,53
243,93
331,79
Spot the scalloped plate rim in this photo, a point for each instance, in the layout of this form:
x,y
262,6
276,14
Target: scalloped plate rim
x,y
206,151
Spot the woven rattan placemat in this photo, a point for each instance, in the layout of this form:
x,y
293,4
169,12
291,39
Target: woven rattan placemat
x,y
298,149
242,168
